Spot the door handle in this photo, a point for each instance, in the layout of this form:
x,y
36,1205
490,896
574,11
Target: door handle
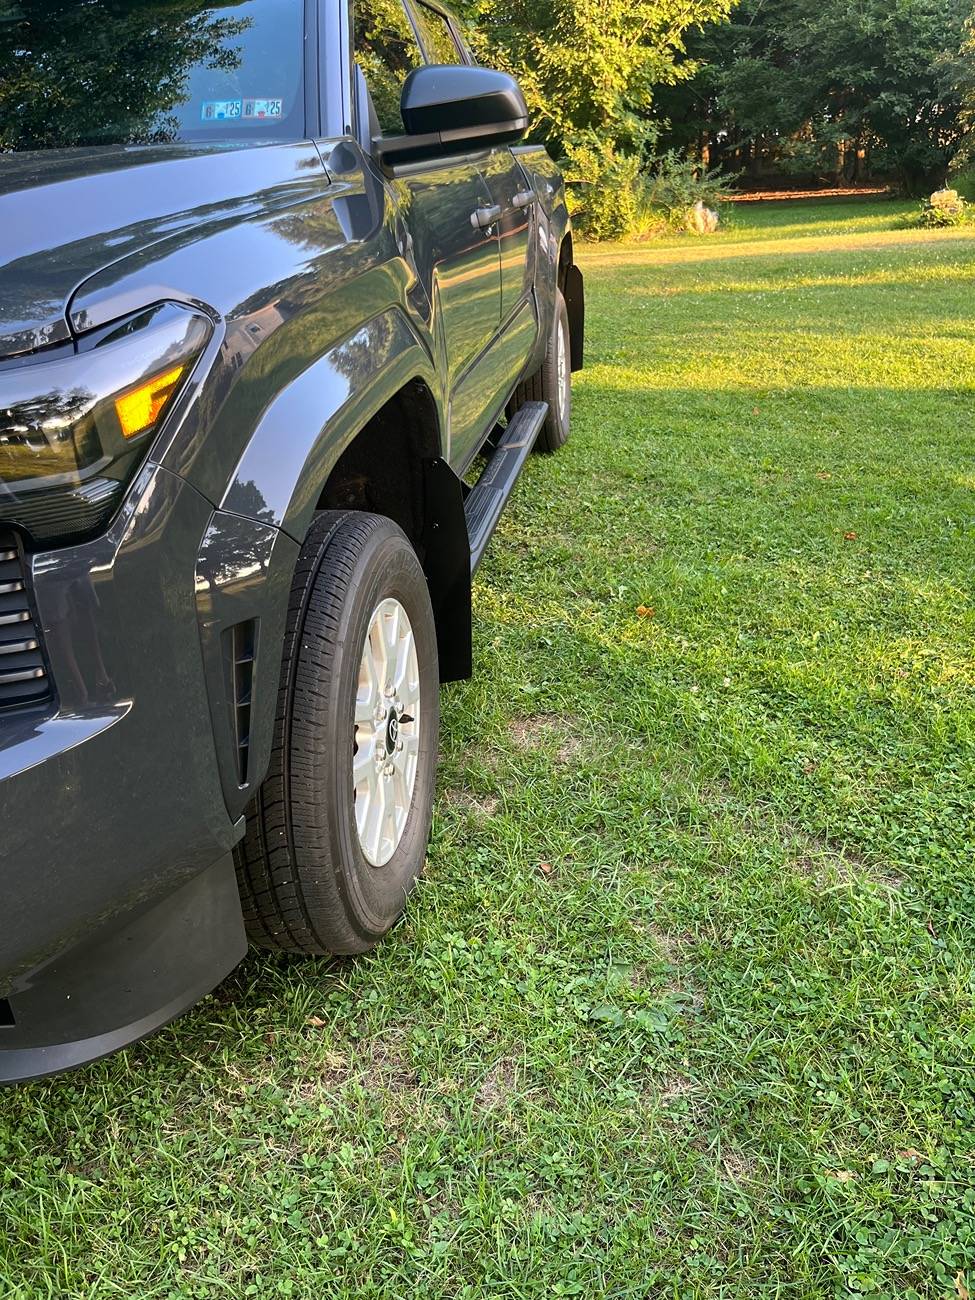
x,y
526,199
485,218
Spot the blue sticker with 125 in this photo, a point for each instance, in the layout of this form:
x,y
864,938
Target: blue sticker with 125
x,y
221,110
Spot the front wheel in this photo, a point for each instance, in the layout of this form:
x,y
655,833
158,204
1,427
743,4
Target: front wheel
x,y
337,834
551,383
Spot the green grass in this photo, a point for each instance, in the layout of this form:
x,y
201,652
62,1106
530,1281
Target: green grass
x,y
684,1006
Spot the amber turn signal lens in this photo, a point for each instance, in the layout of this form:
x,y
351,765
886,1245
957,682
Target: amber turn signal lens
x,y
139,409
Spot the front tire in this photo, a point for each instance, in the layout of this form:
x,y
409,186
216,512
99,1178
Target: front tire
x,y
337,834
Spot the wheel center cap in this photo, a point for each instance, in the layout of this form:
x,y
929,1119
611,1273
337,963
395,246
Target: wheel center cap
x,y
392,731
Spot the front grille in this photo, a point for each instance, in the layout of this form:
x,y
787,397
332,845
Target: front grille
x,y
23,672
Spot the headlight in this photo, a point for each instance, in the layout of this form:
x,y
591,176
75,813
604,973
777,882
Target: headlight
x,y
73,431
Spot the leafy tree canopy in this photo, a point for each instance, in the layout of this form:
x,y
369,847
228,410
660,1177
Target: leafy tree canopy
x,y
591,70
802,81
593,65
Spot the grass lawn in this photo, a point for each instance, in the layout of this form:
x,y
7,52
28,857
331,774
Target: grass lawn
x,y
684,1007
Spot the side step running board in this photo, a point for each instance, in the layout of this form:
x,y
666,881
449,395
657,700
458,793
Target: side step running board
x,y
489,496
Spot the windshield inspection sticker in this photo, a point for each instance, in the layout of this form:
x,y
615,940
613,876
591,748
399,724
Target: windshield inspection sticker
x,y
220,110
254,108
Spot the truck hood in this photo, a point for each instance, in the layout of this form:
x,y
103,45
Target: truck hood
x,y
66,214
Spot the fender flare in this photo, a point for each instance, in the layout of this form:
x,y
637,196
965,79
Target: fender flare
x,y
303,432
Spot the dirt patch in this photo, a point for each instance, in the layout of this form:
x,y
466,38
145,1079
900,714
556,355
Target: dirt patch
x,y
736,1167
498,1084
825,863
679,1107
378,1067
828,866
383,1067
673,947
465,801
330,1077
676,1088
830,192
547,731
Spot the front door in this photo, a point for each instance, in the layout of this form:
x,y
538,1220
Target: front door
x,y
459,262
456,260
512,193
511,198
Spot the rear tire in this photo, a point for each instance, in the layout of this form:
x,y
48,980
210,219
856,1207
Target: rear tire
x,y
551,383
316,873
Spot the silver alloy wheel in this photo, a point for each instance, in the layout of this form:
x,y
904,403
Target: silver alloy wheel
x,y
564,375
386,735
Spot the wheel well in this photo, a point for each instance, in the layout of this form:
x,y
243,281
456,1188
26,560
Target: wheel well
x,y
382,468
394,467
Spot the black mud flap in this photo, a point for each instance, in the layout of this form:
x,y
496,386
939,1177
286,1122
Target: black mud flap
x,y
574,293
447,565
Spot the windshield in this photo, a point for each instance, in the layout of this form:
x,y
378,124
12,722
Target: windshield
x,y
90,72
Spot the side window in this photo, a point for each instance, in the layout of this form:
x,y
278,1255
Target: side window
x,y
386,50
438,39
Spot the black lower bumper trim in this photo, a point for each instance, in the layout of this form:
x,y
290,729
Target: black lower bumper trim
x,y
131,981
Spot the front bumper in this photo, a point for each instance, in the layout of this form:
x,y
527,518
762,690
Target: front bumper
x,y
136,975
116,834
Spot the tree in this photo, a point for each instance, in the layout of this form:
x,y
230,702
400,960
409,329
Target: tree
x,y
966,89
592,65
823,87
591,70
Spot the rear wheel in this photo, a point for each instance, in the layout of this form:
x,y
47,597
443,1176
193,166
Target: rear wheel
x,y
551,383
337,834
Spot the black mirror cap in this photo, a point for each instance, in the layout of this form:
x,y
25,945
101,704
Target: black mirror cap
x,y
459,101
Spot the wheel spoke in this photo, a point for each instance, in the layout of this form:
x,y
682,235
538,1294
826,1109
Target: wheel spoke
x,y
372,835
377,650
369,688
365,705
364,761
390,624
408,685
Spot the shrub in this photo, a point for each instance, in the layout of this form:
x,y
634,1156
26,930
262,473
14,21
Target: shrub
x,y
945,208
613,196
677,188
604,188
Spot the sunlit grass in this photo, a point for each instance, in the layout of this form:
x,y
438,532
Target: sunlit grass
x,y
684,1007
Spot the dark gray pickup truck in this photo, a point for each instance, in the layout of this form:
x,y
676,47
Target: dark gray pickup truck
x,y
284,307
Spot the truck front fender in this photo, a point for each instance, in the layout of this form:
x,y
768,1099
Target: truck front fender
x,y
283,472
301,435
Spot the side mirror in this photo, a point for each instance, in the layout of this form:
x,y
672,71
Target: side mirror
x,y
450,110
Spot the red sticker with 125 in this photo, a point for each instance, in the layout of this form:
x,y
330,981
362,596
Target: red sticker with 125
x,y
262,108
